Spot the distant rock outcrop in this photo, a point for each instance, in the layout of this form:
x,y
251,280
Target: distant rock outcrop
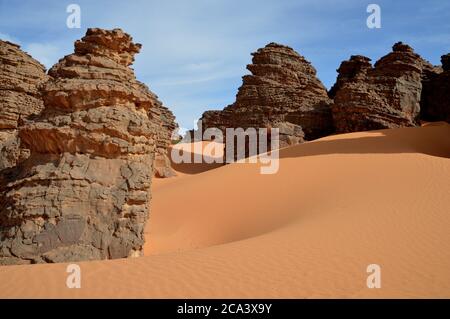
x,y
20,78
282,92
384,96
435,103
84,192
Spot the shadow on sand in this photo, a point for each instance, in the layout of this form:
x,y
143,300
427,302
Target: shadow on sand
x,y
432,140
195,168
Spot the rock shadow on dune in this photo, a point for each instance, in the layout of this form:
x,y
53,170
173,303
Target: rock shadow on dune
x,y
192,168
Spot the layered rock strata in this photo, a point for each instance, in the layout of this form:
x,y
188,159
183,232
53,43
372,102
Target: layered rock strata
x,y
84,192
386,95
20,80
282,92
167,127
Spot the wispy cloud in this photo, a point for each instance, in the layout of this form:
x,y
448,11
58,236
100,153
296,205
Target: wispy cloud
x,y
195,52
7,37
45,53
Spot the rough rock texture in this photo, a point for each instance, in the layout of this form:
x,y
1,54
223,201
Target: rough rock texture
x,y
167,126
20,78
282,91
352,70
384,96
435,102
84,192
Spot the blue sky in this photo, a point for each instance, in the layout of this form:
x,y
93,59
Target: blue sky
x,y
195,52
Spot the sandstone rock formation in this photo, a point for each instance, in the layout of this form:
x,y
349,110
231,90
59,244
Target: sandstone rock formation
x,y
79,146
384,96
352,70
84,192
167,126
282,91
20,78
435,102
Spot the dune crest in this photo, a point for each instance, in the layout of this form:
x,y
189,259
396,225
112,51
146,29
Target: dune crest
x,y
336,205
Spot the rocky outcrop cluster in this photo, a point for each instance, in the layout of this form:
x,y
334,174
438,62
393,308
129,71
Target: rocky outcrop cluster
x,y
435,103
84,191
20,80
400,89
282,92
386,95
79,146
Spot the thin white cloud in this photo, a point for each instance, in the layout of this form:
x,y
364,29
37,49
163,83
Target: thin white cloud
x,y
7,37
195,52
190,80
208,75
202,66
440,39
45,53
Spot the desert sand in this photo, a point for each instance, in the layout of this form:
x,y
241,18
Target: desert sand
x,y
335,206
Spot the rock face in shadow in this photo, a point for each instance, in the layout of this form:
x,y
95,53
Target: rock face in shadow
x,y
384,96
20,79
282,91
84,191
435,103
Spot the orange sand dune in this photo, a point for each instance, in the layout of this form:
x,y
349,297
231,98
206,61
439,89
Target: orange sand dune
x,y
336,205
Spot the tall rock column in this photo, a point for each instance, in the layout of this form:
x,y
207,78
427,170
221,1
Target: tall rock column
x,y
282,92
20,79
84,192
167,126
